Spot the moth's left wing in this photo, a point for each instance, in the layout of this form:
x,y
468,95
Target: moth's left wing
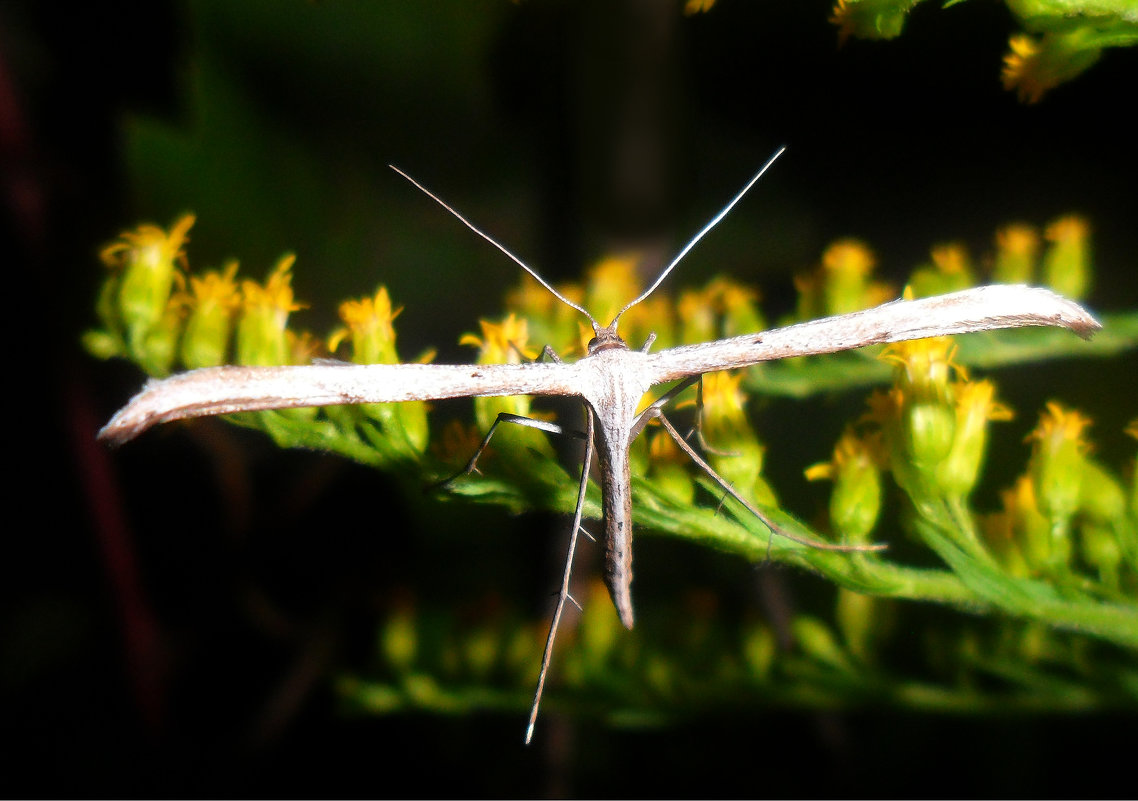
x,y
223,390
978,309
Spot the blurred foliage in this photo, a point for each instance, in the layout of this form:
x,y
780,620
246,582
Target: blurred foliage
x,y
1060,38
1049,581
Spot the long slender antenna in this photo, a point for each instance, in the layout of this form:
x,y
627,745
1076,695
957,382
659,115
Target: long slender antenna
x,y
496,244
714,222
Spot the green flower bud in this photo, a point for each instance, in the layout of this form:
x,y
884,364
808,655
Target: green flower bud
x,y
261,336
1058,461
1017,248
146,260
212,299
929,429
975,407
846,266
856,500
1067,262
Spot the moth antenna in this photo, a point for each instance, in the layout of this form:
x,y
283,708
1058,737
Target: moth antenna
x,y
496,244
703,231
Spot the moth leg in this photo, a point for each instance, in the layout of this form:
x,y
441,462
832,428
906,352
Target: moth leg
x,y
726,485
656,409
564,595
697,429
505,417
646,416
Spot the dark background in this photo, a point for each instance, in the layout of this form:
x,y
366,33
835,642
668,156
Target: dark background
x,y
171,611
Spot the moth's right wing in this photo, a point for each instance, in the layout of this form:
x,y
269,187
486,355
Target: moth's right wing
x,y
977,309
223,390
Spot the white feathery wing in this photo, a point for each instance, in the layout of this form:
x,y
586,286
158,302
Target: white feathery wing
x,y
221,390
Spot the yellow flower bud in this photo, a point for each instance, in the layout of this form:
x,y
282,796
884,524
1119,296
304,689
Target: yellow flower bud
x,y
951,270
1067,262
146,259
1017,248
846,266
261,336
1033,66
856,500
739,457
975,407
1058,461
212,299
612,282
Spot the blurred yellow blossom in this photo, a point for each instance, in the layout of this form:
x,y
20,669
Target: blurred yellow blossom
x,y
261,336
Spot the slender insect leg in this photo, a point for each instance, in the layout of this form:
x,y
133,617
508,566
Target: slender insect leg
x,y
697,429
505,417
657,406
563,595
646,416
552,354
722,482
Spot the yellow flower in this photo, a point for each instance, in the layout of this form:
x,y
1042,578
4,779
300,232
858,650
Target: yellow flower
x,y
855,470
261,332
505,343
212,299
1019,534
693,7
1034,66
1017,247
724,415
922,436
925,367
1058,460
214,288
612,282
146,260
848,257
1023,71
502,343
1067,263
369,323
697,317
551,321
149,242
841,15
846,266
976,406
739,457
735,304
952,259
